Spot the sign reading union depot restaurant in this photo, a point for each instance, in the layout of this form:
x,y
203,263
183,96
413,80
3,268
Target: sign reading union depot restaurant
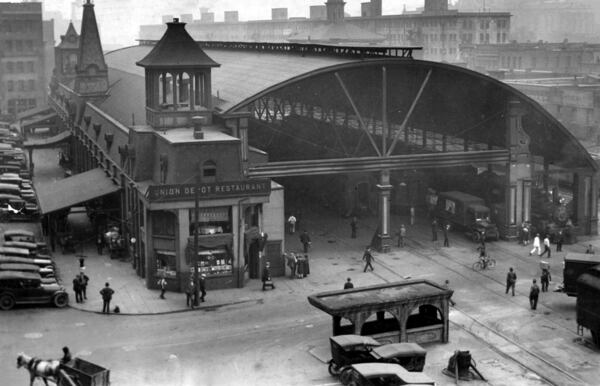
x,y
209,190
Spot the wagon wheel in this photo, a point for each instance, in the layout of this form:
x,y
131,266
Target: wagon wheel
x,y
333,369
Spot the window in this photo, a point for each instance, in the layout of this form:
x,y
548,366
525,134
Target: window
x,y
10,85
29,45
19,67
21,85
163,224
9,67
19,45
30,67
9,46
166,263
209,171
31,85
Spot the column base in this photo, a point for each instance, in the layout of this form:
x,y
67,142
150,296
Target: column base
x,y
382,243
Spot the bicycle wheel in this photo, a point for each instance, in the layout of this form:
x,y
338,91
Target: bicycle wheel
x,y
477,266
491,263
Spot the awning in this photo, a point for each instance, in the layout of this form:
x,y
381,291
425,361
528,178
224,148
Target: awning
x,y
47,142
35,111
39,121
74,190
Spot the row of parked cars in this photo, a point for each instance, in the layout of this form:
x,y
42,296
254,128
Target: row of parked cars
x,y
27,273
363,361
18,201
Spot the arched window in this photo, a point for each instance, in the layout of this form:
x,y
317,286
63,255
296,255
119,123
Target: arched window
x,y
209,171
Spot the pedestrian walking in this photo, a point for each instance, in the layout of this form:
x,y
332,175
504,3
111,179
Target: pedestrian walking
x,y
447,286
534,293
99,244
446,229
107,294
560,238
536,245
590,250
434,229
546,247
84,280
77,289
267,281
189,293
348,284
202,287
511,280
292,224
81,262
353,226
545,279
481,249
412,215
368,258
162,284
401,236
66,358
305,240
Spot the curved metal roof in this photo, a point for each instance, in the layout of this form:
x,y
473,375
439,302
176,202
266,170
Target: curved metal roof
x,y
454,102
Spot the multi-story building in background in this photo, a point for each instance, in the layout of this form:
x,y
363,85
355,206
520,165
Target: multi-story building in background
x,y
438,29
549,20
23,78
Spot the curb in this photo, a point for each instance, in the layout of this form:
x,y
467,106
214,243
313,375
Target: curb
x,y
206,308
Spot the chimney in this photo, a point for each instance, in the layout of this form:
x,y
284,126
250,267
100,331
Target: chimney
x,y
198,122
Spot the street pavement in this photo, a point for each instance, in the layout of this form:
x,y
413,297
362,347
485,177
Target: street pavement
x,y
511,343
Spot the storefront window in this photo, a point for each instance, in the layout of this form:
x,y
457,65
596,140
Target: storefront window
x,y
166,263
211,221
215,262
163,224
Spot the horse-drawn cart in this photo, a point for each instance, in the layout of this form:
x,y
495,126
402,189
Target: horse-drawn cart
x,y
79,372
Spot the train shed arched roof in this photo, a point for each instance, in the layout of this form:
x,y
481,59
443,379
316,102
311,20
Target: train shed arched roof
x,y
455,101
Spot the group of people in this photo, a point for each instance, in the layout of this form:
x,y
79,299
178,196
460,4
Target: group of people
x,y
80,283
191,295
534,290
537,246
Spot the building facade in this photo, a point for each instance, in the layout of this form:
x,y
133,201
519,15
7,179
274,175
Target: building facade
x,y
439,30
22,60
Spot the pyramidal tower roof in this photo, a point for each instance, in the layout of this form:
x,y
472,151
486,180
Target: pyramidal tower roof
x,y
90,47
177,49
70,39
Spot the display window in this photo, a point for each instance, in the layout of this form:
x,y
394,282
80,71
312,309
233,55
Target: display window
x,y
211,221
166,264
215,262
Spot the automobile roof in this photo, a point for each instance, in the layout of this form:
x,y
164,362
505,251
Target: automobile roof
x,y
19,267
585,257
19,244
369,370
18,232
19,275
398,349
4,250
353,340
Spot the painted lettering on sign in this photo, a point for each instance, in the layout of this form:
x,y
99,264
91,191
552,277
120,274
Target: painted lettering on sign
x,y
212,190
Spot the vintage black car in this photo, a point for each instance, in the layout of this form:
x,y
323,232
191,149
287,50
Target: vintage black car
x,y
28,288
382,374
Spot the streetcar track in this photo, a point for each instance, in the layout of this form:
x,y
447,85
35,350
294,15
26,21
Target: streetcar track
x,y
437,253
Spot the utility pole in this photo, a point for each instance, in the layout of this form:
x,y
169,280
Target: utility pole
x,y
195,259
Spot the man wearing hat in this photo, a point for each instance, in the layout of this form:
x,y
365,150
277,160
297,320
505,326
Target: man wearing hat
x,y
202,286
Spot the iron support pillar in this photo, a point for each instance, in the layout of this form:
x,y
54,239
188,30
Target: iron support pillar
x,y
383,240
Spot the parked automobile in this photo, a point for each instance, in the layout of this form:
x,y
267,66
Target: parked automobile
x,y
382,374
350,349
42,263
575,264
467,212
44,272
27,288
19,235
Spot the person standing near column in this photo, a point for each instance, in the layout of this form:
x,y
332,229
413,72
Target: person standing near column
x,y
401,236
412,215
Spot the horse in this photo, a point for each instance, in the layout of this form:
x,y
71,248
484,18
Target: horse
x,y
45,369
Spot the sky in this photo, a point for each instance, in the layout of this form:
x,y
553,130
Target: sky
x,y
248,9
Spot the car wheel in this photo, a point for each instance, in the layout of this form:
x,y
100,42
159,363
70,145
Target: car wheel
x,y
346,377
6,302
333,368
475,236
61,300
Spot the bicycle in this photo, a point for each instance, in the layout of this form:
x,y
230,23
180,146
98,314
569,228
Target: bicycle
x,y
483,264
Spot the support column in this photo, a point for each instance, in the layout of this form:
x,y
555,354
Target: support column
x,y
383,239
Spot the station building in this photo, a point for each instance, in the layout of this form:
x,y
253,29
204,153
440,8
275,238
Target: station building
x,y
169,126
